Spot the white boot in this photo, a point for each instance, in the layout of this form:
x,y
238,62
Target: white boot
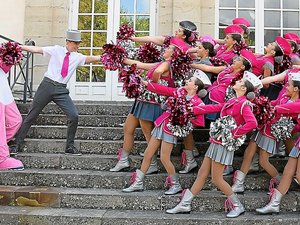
x,y
274,205
254,167
227,170
173,182
238,182
236,208
184,205
137,182
153,166
123,161
188,160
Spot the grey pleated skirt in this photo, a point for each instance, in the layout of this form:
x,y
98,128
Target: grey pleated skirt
x,y
220,154
295,152
265,143
159,134
132,108
147,111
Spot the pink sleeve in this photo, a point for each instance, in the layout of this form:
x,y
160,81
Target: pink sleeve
x,y
250,122
160,89
289,108
207,109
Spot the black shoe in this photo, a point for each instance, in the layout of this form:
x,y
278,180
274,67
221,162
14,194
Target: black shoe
x,y
15,148
72,150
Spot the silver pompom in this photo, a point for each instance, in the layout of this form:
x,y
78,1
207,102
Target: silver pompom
x,y
282,129
148,96
130,48
221,131
230,93
181,131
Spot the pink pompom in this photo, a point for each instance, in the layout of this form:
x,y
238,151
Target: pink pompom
x,y
262,109
125,32
10,53
113,56
148,53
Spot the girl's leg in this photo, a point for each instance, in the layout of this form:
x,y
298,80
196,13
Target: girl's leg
x,y
240,175
184,205
137,178
187,156
131,123
172,180
287,176
147,127
232,202
269,168
201,176
149,153
289,144
298,171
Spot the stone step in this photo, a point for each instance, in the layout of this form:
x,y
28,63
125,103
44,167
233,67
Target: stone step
x,y
97,133
113,180
86,108
10,215
85,198
105,162
84,120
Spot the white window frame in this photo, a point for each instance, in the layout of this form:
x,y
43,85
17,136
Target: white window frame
x,y
259,21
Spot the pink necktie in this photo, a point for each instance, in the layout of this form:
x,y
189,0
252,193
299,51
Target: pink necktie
x,y
65,66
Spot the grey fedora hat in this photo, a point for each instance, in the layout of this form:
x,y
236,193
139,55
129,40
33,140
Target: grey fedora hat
x,y
73,35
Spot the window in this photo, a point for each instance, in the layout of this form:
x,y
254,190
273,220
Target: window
x,y
268,18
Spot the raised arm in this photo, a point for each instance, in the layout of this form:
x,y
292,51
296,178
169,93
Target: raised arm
x,y
207,68
140,65
207,109
158,40
160,71
273,79
160,89
33,49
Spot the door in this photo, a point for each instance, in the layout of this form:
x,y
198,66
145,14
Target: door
x,y
99,21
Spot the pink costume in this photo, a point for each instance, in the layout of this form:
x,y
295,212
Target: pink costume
x,y
238,108
293,70
10,121
162,90
217,91
262,60
290,109
224,54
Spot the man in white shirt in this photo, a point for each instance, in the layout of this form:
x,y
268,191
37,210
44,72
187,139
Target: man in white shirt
x,y
62,65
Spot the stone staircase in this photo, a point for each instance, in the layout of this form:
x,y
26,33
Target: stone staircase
x,y
61,189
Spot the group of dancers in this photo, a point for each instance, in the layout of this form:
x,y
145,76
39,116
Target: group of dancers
x,y
226,77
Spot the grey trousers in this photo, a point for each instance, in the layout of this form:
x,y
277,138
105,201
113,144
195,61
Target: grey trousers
x,y
48,91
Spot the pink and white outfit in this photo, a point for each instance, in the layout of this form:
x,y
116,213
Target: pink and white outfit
x,y
10,121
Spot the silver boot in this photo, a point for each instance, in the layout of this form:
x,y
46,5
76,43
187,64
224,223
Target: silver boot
x,y
228,170
254,167
184,205
274,205
238,182
188,160
137,182
153,166
173,182
236,208
123,161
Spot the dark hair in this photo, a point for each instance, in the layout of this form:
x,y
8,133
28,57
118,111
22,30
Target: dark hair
x,y
188,28
296,84
250,90
245,28
246,64
237,38
294,45
209,46
278,51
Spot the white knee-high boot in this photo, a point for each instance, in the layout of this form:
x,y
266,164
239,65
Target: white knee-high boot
x,y
236,208
274,205
238,182
123,161
173,182
188,160
137,179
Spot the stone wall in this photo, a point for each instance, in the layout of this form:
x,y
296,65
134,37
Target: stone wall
x,y
171,12
46,23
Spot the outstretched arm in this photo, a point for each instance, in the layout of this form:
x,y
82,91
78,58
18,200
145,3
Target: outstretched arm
x,y
140,65
160,89
158,40
273,79
92,59
208,69
33,49
207,109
